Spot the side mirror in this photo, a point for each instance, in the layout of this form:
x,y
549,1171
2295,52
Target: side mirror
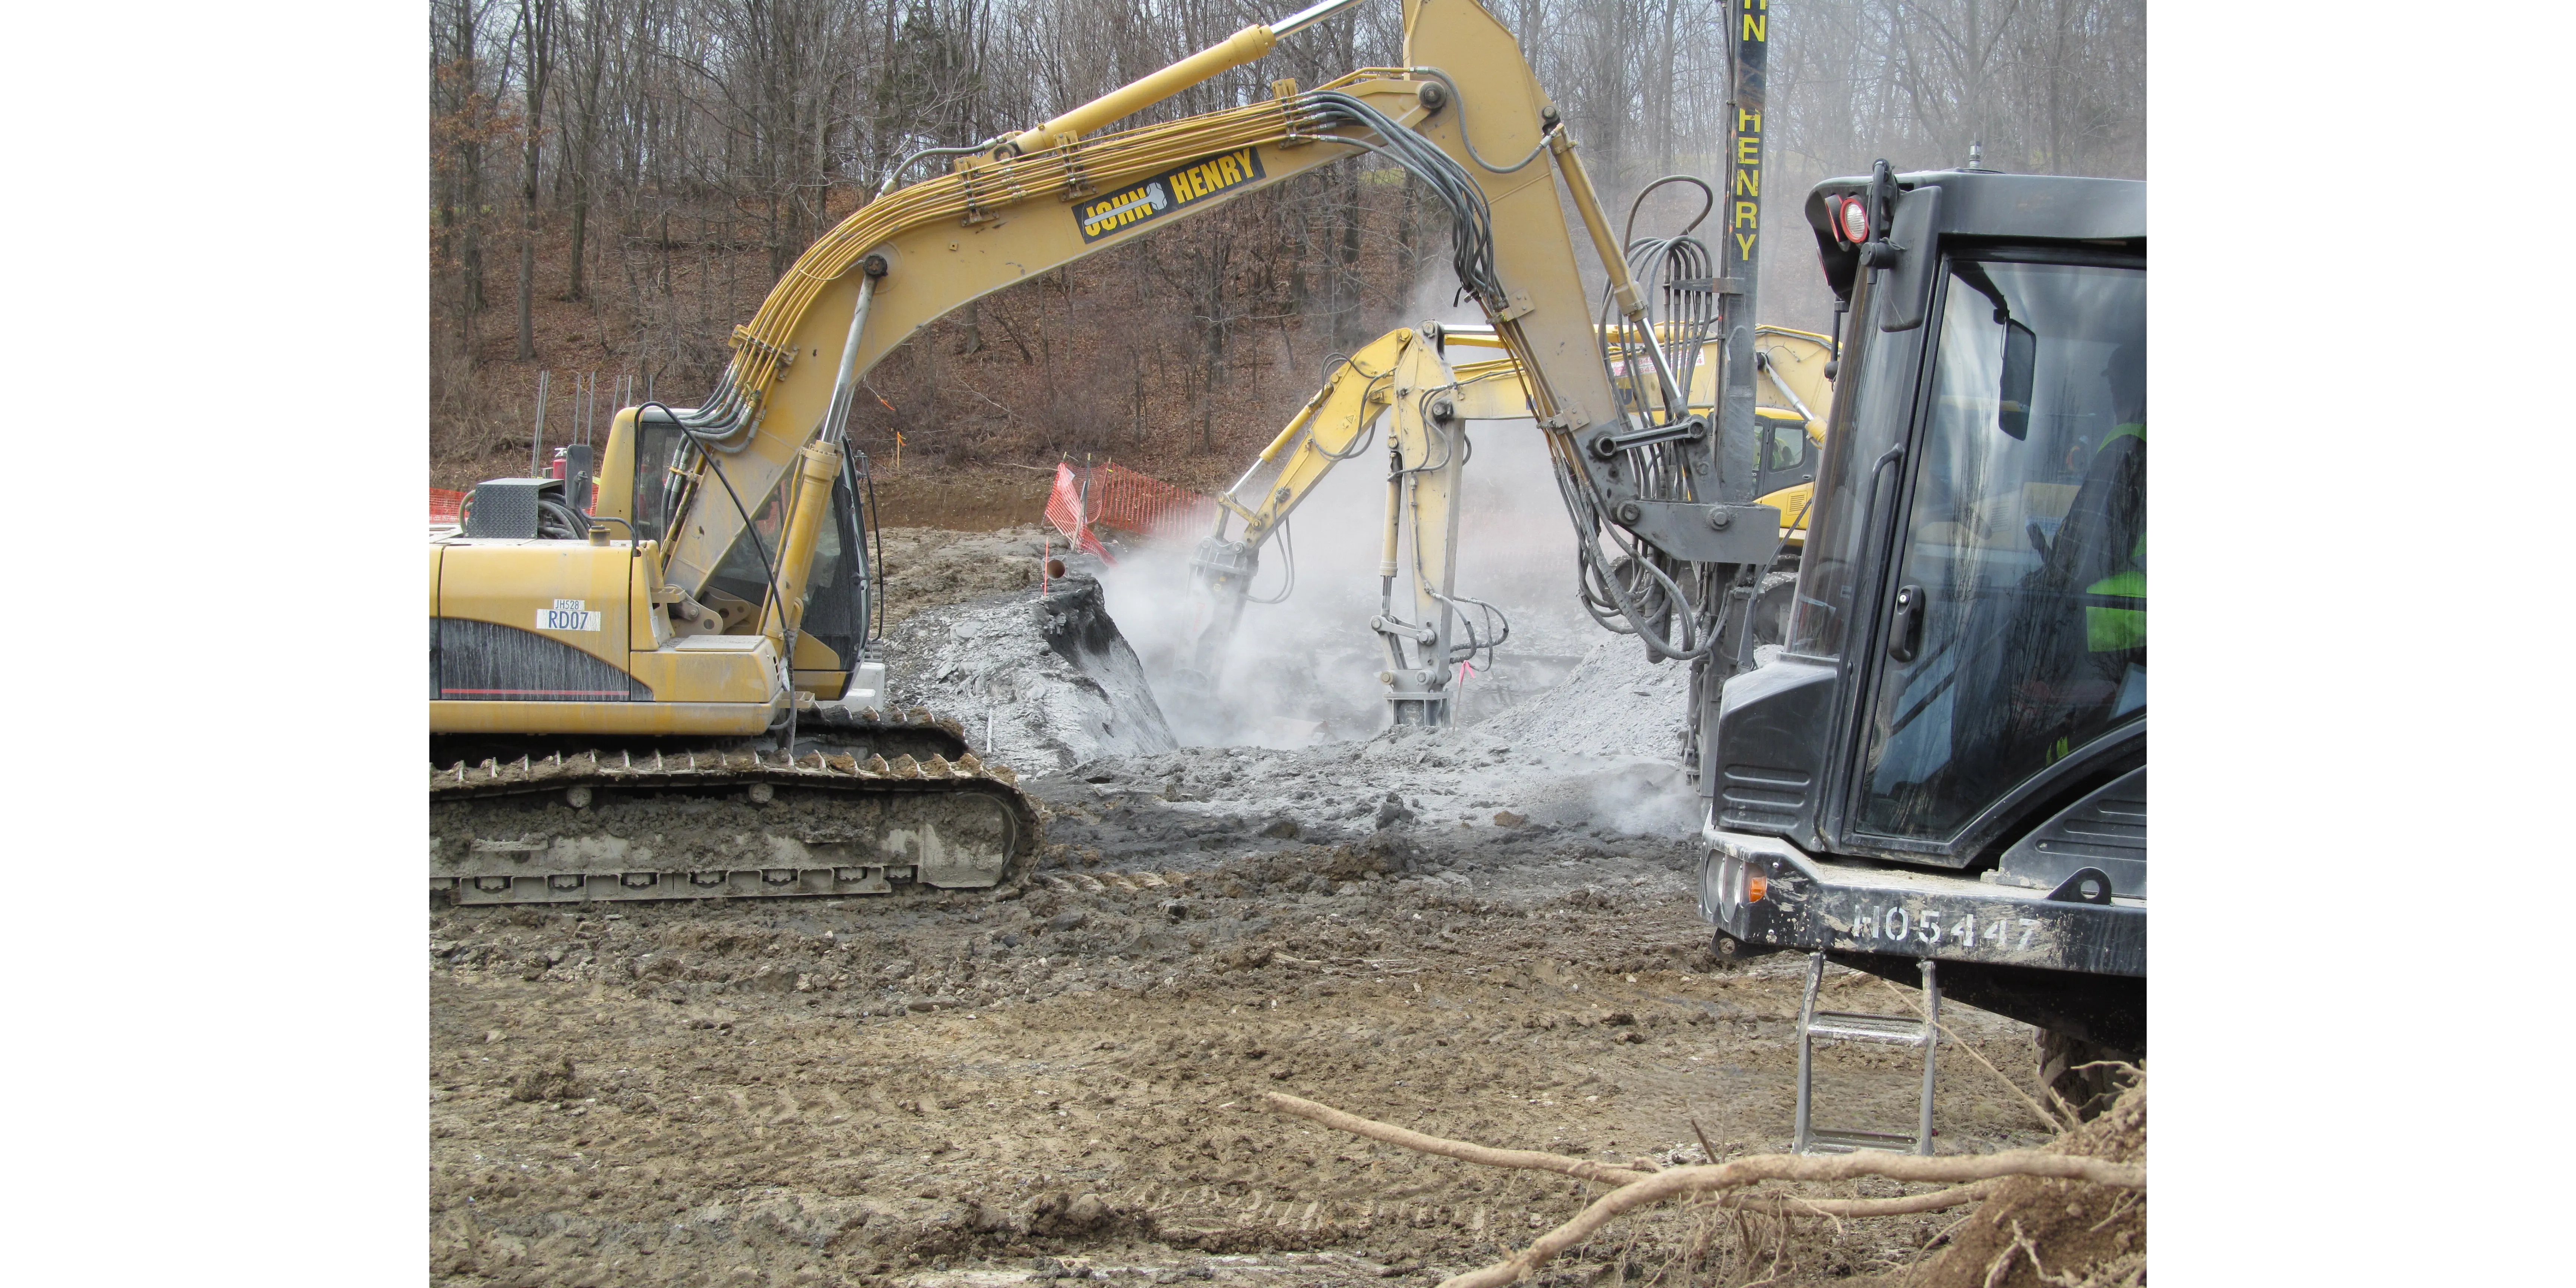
x,y
2021,357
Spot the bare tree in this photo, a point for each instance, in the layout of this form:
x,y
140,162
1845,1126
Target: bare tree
x,y
698,146
537,36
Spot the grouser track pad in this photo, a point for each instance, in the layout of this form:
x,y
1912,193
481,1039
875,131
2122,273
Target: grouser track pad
x,y
601,828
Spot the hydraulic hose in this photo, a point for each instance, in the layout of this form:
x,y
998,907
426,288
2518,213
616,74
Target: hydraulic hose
x,y
1471,219
1288,568
1490,168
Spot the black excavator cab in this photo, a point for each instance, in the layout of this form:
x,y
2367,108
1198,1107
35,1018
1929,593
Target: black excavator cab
x,y
1947,756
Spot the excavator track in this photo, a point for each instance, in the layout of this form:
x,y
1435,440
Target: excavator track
x,y
622,825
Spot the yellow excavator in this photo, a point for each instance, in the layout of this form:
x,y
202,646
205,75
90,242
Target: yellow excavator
x,y
668,695
1381,384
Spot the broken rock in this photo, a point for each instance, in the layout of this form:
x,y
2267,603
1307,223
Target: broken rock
x,y
554,1082
1392,811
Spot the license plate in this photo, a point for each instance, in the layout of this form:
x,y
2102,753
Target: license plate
x,y
566,619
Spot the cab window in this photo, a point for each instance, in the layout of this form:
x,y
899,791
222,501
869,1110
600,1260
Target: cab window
x,y
2017,621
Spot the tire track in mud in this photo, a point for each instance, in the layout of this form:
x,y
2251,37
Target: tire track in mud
x,y
801,1093
1484,932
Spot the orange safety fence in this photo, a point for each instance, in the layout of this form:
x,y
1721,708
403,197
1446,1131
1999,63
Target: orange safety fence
x,y
1088,498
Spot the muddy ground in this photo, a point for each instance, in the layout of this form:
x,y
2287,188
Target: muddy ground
x,y
971,500
1479,933
927,568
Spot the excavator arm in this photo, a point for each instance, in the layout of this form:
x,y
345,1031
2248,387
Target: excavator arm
x,y
1465,116
1328,430
1332,427
1426,459
1482,383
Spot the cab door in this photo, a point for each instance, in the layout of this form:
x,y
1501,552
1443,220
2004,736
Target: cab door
x,y
2011,647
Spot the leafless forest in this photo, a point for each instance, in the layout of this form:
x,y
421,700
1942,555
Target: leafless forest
x,y
615,183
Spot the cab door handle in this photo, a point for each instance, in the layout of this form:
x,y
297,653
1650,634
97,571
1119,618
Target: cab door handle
x,y
1905,633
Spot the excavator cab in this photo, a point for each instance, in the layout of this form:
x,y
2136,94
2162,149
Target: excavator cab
x,y
1786,456
1947,759
648,467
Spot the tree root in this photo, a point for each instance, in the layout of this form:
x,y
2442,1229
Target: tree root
x,y
1526,1159
1797,1205
1638,1188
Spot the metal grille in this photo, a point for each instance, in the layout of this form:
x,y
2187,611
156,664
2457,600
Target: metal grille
x,y
504,508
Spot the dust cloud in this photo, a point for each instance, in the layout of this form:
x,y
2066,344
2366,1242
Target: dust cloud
x,y
1566,720
1304,669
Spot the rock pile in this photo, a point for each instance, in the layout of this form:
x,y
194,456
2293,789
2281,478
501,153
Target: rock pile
x,y
1041,682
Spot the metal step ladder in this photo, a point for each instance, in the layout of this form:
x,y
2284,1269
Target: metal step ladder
x,y
1900,1030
